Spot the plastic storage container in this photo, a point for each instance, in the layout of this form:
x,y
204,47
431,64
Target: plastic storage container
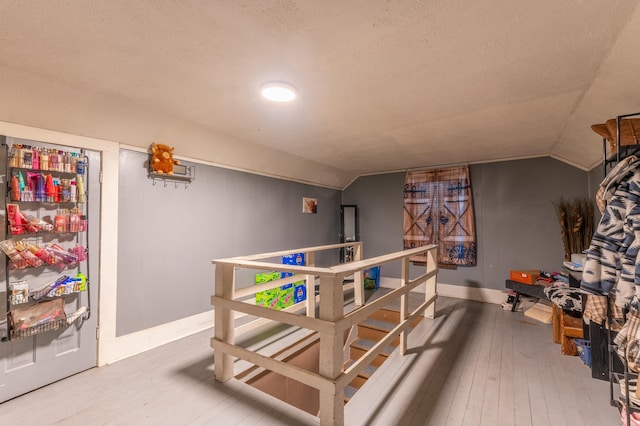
x,y
584,350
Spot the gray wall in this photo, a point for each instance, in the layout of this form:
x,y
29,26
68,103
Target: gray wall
x,y
595,177
167,236
516,223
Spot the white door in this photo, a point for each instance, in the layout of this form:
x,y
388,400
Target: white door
x,y
28,363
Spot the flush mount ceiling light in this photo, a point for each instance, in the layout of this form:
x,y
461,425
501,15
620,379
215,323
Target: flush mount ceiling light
x,y
278,91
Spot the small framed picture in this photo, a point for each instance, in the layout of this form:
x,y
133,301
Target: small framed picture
x,y
309,205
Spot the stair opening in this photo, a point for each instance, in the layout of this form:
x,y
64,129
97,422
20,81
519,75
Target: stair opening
x,y
288,390
305,354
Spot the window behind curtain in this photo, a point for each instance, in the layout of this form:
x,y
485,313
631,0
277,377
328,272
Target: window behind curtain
x,y
438,209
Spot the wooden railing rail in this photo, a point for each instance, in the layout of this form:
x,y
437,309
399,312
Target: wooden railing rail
x,y
305,250
331,321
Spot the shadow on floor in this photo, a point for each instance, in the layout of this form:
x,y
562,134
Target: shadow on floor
x,y
440,368
426,396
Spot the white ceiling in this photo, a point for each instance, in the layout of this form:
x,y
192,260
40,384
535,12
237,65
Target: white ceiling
x,y
384,85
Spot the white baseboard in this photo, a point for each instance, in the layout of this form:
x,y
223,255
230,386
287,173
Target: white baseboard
x,y
122,347
487,295
132,344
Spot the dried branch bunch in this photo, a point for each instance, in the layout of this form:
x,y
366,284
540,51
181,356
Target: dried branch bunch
x,y
576,217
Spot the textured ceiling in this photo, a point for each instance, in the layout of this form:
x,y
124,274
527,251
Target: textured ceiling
x,y
384,85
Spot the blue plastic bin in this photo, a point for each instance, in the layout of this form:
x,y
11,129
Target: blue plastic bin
x,y
584,350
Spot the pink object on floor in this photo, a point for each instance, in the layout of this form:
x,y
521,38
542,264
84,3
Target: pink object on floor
x,y
634,419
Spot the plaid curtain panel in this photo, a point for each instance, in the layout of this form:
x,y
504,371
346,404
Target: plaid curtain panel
x,y
628,341
595,309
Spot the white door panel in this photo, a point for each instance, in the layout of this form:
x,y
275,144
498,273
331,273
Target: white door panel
x,y
32,362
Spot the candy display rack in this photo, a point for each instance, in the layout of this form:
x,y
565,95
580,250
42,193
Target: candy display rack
x,y
46,239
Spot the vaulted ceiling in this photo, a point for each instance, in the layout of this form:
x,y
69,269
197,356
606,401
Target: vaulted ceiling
x,y
383,85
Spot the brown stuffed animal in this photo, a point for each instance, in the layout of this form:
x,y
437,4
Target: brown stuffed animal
x,y
162,159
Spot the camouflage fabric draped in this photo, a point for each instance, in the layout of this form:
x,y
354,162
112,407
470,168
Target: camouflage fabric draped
x,y
438,209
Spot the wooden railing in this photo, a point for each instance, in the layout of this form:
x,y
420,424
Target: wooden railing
x,y
330,323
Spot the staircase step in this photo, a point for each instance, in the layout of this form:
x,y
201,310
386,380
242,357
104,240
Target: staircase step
x,y
349,391
386,315
378,324
367,372
357,382
387,323
375,335
368,344
374,327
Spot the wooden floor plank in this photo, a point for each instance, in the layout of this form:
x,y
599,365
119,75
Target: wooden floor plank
x,y
434,407
534,376
544,353
491,395
421,361
559,366
521,396
436,370
468,362
480,389
507,371
588,411
473,364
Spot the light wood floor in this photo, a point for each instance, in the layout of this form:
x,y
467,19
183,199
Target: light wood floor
x,y
475,364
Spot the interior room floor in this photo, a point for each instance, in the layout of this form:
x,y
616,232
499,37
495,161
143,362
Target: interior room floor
x,y
474,364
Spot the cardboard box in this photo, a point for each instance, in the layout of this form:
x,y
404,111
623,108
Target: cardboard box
x,y
525,276
371,278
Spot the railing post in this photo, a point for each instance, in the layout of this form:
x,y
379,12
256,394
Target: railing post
x,y
431,284
310,281
223,325
404,303
331,354
358,282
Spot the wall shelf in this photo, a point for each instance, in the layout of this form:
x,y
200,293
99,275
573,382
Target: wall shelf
x,y
182,175
622,151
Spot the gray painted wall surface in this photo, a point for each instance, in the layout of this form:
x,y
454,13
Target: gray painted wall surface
x,y
167,236
516,223
596,176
